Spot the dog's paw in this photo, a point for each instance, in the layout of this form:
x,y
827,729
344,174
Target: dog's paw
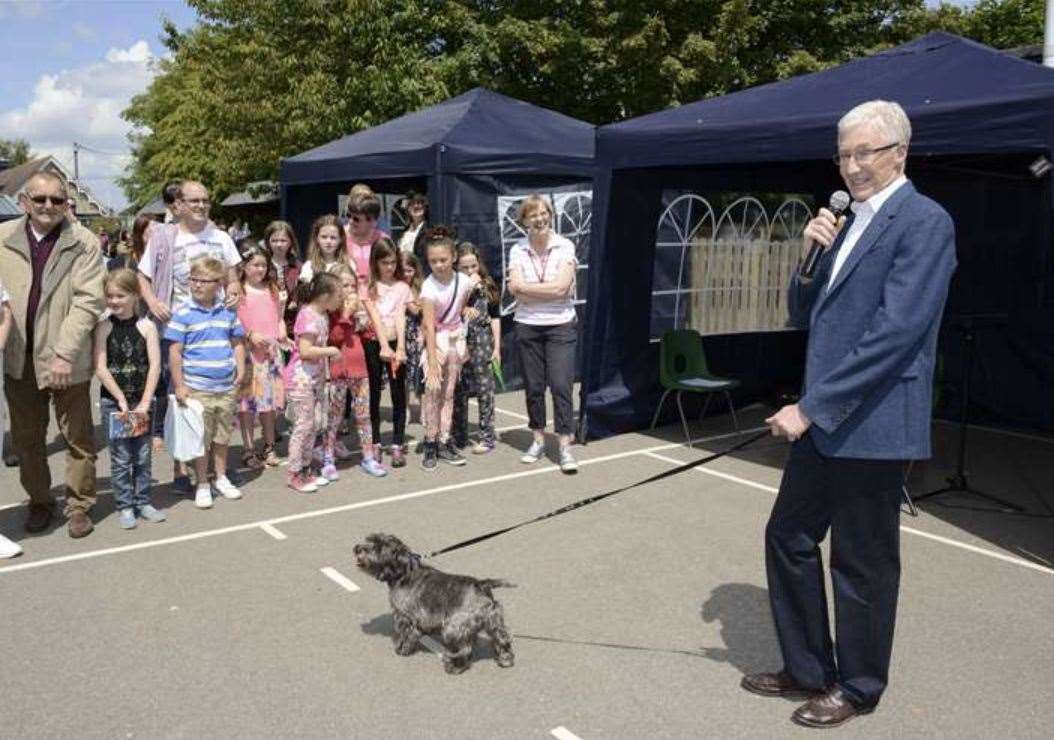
x,y
454,667
505,660
406,648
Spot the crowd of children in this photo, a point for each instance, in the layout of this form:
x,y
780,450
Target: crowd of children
x,y
315,341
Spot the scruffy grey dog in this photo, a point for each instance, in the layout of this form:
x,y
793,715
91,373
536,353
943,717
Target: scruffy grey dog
x,y
430,602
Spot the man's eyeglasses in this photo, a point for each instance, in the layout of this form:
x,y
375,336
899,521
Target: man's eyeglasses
x,y
55,200
203,281
360,219
197,201
862,156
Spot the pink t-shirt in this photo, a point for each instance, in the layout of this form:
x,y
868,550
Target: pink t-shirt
x,y
304,374
391,301
359,254
444,300
260,312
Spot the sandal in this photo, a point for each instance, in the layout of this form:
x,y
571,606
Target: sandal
x,y
252,461
270,458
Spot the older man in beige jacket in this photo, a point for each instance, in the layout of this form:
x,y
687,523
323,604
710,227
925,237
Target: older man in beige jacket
x,y
53,270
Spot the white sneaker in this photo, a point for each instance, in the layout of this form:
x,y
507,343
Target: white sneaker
x,y
227,489
9,549
321,481
534,453
203,497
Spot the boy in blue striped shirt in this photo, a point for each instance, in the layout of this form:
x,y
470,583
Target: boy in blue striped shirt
x,y
207,363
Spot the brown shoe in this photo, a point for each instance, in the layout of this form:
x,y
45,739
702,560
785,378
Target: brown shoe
x,y
39,518
79,524
777,684
828,710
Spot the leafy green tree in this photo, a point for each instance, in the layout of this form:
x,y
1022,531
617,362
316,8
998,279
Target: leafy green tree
x,y
15,151
255,82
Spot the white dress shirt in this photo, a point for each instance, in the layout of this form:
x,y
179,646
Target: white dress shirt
x,y
863,213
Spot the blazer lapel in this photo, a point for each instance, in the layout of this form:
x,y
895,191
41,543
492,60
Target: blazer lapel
x,y
871,235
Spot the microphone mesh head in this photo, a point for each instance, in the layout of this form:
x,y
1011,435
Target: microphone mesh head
x,y
839,201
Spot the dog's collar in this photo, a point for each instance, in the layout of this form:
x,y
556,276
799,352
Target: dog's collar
x,y
415,561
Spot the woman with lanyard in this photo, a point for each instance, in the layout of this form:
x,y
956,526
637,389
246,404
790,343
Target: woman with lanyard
x,y
542,279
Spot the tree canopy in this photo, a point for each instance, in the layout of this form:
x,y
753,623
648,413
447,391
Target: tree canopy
x,y
254,82
15,151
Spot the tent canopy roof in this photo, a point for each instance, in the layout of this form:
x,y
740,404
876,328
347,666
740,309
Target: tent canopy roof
x,y
477,132
962,97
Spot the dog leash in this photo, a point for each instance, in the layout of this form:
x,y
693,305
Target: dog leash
x,y
601,496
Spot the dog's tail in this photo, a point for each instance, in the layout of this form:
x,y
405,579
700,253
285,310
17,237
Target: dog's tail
x,y
488,583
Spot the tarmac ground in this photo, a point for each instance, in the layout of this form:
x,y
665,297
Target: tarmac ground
x,y
633,617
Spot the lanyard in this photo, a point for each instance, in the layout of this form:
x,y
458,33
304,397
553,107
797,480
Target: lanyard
x,y
540,274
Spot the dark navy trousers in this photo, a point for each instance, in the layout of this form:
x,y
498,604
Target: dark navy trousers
x,y
858,501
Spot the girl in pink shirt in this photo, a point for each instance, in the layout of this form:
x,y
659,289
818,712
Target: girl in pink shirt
x,y
305,379
386,301
260,311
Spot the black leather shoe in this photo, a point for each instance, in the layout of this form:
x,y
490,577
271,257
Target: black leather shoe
x,y
39,518
828,710
777,684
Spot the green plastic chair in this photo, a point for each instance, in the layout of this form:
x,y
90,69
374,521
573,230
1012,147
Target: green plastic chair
x,y
682,367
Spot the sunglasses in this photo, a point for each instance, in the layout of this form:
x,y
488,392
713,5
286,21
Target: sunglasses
x,y
53,199
360,219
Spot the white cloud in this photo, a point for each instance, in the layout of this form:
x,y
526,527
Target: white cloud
x,y
83,31
84,104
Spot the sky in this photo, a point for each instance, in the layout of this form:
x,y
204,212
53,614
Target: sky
x,y
67,70
69,67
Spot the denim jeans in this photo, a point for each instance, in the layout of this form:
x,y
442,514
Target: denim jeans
x,y
129,464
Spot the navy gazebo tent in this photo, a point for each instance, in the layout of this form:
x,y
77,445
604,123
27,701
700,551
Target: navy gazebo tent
x,y
461,152
979,118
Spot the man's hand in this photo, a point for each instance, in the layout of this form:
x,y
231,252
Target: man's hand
x,y
182,394
59,372
824,228
386,351
789,422
160,311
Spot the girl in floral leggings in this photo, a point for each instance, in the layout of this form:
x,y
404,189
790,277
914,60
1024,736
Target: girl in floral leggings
x,y
348,376
305,379
443,297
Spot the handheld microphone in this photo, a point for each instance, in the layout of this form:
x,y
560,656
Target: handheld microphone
x,y
839,202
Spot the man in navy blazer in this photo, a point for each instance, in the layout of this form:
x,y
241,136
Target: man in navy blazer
x,y
873,311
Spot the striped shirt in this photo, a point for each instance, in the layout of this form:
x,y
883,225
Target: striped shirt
x,y
206,334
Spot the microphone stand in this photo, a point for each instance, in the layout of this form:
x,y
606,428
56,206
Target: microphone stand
x,y
957,482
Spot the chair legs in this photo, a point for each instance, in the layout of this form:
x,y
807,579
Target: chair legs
x,y
684,421
732,410
904,491
702,415
658,410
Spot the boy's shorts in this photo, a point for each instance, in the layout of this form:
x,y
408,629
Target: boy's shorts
x,y
218,414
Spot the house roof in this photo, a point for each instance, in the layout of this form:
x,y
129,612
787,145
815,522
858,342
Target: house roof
x,y
14,179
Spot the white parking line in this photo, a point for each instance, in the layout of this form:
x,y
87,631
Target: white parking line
x,y
535,470
338,578
909,530
273,531
513,414
562,733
